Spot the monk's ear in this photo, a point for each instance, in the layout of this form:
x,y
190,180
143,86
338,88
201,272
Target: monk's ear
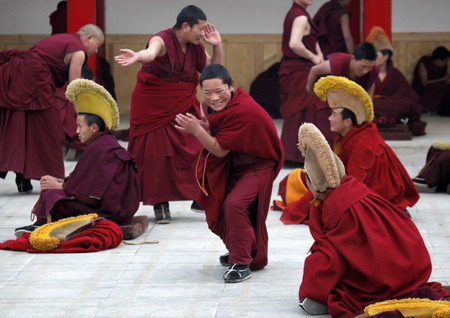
x,y
232,86
95,128
185,27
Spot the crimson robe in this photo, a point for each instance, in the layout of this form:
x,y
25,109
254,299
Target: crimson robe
x,y
237,187
394,99
31,134
340,66
104,181
164,155
297,105
436,171
365,250
367,157
431,95
328,21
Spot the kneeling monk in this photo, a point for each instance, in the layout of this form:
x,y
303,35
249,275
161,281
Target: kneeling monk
x,y
365,249
104,180
241,157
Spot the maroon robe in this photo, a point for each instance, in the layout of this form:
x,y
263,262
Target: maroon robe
x,y
31,134
365,251
368,158
340,66
237,187
436,171
432,95
104,181
164,155
394,99
297,105
328,21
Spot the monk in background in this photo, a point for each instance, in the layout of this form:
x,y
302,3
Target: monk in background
x,y
166,86
333,23
31,134
431,81
394,99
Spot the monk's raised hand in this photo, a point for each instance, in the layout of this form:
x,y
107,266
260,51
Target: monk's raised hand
x,y
211,35
127,57
187,123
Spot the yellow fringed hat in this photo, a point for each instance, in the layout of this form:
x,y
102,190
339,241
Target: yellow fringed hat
x,y
379,39
91,98
412,307
342,92
325,170
48,236
441,145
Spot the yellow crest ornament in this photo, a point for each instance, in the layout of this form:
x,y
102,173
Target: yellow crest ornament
x,y
91,98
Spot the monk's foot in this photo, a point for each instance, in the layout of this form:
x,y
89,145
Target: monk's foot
x,y
29,228
162,213
448,188
422,186
237,273
223,259
313,307
195,207
23,185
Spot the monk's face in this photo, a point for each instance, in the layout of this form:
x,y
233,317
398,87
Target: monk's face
x,y
195,33
84,131
216,94
337,124
361,67
92,44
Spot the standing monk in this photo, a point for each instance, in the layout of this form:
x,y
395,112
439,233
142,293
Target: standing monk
x,y
333,23
301,51
166,86
31,135
237,169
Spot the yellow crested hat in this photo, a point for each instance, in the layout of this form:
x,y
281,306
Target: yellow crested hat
x,y
324,169
379,39
342,92
91,98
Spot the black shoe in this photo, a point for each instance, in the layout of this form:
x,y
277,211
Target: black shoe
x,y
223,259
313,307
29,228
162,213
237,273
23,185
195,207
422,186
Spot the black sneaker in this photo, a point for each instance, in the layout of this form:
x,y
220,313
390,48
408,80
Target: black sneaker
x,y
237,273
23,185
195,207
223,259
313,307
162,213
29,228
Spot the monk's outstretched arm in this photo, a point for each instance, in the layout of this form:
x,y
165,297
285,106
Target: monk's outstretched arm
x,y
156,47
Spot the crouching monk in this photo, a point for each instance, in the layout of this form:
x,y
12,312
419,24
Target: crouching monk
x,y
104,180
365,249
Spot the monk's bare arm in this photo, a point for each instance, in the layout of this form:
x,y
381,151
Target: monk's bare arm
x,y
191,125
424,76
371,91
75,60
156,47
345,27
300,28
317,71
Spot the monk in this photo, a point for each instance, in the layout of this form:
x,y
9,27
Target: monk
x,y
166,85
358,144
104,180
236,169
365,249
333,23
31,134
394,99
431,81
435,175
359,67
301,51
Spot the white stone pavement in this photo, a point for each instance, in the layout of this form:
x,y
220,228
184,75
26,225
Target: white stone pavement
x,y
181,276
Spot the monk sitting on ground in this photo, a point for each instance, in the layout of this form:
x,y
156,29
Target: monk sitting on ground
x,y
363,151
365,249
241,157
104,180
